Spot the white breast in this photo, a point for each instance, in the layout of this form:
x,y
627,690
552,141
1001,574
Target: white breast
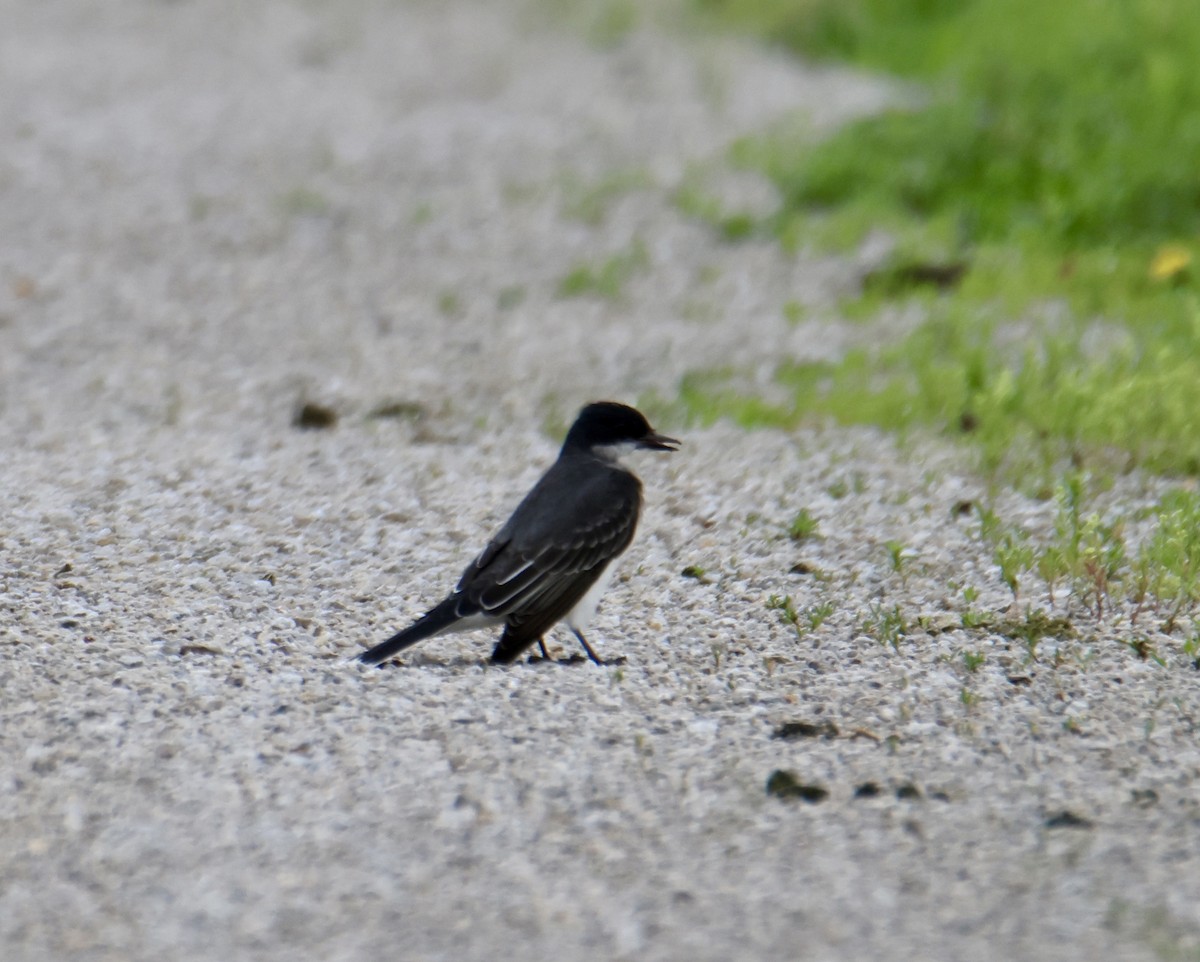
x,y
581,615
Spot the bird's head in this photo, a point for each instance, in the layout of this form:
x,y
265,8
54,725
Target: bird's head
x,y
606,427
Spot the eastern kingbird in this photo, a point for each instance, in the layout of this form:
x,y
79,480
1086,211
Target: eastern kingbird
x,y
550,561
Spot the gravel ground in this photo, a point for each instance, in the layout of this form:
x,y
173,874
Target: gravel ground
x,y
214,212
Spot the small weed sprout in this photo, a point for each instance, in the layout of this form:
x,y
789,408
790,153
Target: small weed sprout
x,y
1010,548
1169,563
1051,567
990,525
1141,579
1033,628
787,611
1103,558
1145,650
1013,556
608,278
818,614
810,619
803,526
973,660
971,618
898,555
885,625
589,202
1086,551
1191,646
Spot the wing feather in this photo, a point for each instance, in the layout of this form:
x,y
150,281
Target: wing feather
x,y
537,568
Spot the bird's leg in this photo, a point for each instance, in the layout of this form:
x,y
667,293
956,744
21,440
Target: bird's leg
x,y
591,654
542,645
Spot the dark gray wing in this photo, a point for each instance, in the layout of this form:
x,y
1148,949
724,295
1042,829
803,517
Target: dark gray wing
x,y
578,517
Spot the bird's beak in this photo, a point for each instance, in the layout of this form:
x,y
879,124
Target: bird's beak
x,y
658,442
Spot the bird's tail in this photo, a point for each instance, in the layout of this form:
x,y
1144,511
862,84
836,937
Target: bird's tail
x,y
428,625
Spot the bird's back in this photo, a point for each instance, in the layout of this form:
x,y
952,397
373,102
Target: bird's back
x,y
578,517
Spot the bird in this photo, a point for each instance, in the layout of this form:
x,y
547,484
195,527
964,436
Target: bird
x,y
552,559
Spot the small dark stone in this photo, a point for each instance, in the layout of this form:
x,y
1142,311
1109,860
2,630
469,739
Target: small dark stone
x,y
1019,680
813,793
802,568
1142,648
68,623
1144,797
867,790
197,650
398,410
783,784
967,422
65,569
313,416
1067,819
962,507
896,279
908,791
799,729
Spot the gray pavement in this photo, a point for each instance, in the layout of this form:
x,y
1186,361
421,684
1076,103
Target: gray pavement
x,y
211,213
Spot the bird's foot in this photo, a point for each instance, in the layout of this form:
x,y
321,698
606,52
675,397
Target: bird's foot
x,y
564,660
576,659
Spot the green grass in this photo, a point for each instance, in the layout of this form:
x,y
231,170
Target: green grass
x,y
692,199
449,304
1167,568
886,625
802,622
1088,559
608,278
303,201
1044,199
1041,190
590,201
803,526
1077,121
788,614
973,660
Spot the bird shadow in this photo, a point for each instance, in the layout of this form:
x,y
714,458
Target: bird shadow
x,y
533,661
